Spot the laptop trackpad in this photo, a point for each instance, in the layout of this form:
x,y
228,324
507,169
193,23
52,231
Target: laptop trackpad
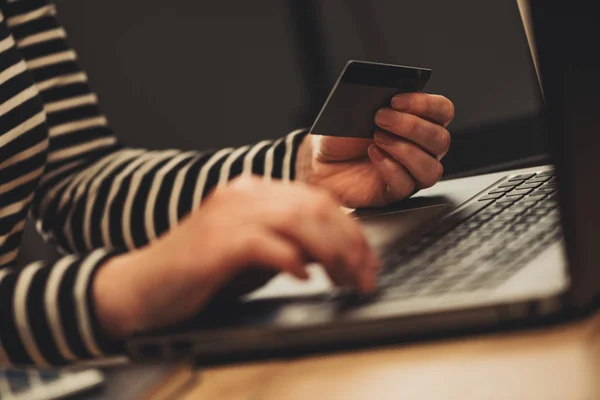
x,y
381,228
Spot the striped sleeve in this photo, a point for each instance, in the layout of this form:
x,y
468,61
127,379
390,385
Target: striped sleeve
x,y
96,198
48,316
94,192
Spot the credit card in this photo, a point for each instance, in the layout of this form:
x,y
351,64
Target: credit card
x,y
361,89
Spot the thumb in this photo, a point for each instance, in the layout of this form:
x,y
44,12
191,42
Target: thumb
x,y
335,149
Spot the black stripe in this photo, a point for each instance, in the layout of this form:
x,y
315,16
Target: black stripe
x,y
278,155
238,166
68,311
8,222
12,243
14,86
73,114
65,92
54,70
258,163
138,208
44,48
19,193
212,178
8,330
36,26
22,142
161,211
295,145
21,168
22,7
20,114
101,197
9,58
186,196
38,320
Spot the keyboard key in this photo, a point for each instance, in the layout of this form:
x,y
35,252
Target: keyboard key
x,y
540,179
521,177
519,192
502,190
511,185
546,173
546,190
530,185
491,197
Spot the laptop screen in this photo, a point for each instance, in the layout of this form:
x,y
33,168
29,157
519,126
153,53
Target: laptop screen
x,y
566,35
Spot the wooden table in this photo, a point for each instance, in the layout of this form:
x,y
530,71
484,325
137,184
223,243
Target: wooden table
x,y
559,362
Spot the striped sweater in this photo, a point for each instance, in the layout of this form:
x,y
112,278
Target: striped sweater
x,y
93,198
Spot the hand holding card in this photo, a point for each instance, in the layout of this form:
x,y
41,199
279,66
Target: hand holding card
x,y
361,89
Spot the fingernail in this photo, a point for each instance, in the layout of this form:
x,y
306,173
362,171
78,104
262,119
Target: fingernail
x,y
401,102
383,138
385,117
375,153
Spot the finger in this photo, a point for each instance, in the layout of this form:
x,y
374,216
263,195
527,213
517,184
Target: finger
x,y
426,170
432,107
267,249
328,236
434,138
399,182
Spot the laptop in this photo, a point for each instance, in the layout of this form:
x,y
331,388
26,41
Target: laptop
x,y
511,248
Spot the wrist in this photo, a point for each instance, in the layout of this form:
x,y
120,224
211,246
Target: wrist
x,y
116,293
304,159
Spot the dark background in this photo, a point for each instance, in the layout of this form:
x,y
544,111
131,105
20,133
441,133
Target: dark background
x,y
194,74
198,74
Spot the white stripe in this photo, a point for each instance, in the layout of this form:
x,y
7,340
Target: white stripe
x,y
56,33
44,11
249,159
9,257
74,126
18,99
81,301
25,154
114,188
226,168
72,102
3,356
15,229
204,171
62,80
16,207
21,180
153,194
12,71
92,192
51,192
287,158
136,179
21,313
268,172
6,44
180,179
25,126
81,149
52,307
76,191
83,176
52,59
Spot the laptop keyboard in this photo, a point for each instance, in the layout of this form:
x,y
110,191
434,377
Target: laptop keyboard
x,y
481,246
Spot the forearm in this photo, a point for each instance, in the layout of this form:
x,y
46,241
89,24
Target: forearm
x,y
48,314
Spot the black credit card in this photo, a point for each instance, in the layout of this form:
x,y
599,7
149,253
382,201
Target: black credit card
x,y
361,89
